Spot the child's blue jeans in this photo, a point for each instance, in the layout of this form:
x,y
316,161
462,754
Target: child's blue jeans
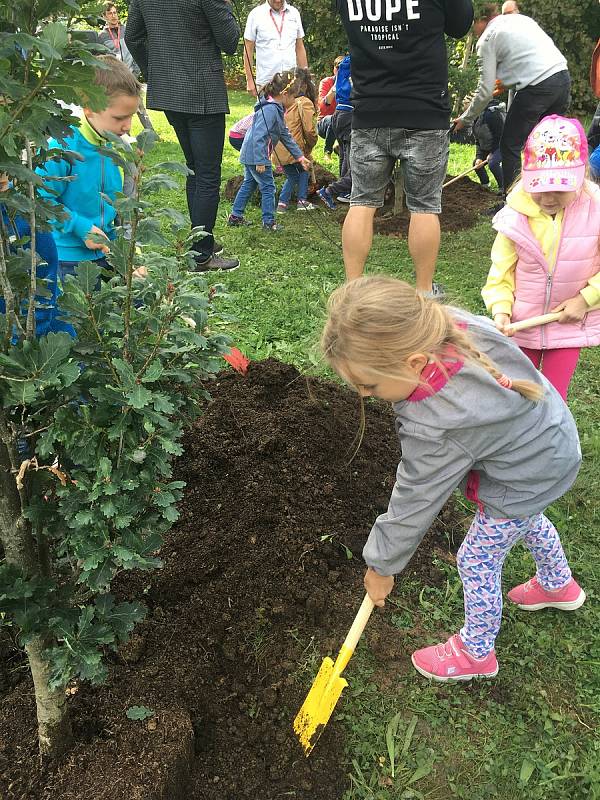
x,y
295,177
266,184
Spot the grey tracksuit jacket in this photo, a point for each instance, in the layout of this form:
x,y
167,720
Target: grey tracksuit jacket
x,y
513,456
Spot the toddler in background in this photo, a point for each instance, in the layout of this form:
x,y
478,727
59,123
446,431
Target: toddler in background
x,y
300,120
546,257
487,130
237,132
47,318
268,129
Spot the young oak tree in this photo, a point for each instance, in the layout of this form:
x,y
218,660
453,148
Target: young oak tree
x,y
89,426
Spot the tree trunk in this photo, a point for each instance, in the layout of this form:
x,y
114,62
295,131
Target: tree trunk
x,y
17,538
398,189
20,549
54,725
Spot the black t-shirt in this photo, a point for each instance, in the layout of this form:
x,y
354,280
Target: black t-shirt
x,y
399,59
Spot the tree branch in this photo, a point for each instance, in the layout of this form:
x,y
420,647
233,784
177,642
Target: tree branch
x,y
9,297
30,326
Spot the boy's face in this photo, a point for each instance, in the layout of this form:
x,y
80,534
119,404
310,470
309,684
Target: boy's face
x,y
116,118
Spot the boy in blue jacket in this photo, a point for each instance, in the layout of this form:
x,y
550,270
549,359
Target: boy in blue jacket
x,y
87,231
268,128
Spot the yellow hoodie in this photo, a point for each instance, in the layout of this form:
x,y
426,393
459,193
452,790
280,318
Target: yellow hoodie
x,y
499,291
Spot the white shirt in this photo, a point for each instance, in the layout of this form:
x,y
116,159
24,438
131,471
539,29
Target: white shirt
x,y
274,35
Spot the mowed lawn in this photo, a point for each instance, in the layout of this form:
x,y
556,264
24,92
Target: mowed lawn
x,y
531,732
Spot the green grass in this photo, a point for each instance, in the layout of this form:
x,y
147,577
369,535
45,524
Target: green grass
x,y
531,732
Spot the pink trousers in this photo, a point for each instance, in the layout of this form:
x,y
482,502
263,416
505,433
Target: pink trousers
x,y
557,365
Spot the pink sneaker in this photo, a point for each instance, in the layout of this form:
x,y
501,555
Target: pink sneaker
x,y
451,662
531,596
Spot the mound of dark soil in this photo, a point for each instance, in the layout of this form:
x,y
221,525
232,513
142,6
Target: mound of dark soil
x,y
257,587
462,204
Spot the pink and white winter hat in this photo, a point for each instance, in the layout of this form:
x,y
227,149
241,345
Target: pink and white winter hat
x,y
555,156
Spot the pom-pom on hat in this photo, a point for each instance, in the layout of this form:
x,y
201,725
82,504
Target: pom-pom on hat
x,y
555,156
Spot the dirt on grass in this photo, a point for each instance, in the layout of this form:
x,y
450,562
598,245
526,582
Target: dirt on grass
x,y
462,204
262,578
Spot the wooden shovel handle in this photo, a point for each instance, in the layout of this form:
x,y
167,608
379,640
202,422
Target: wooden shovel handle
x,y
354,634
543,319
466,172
359,624
533,322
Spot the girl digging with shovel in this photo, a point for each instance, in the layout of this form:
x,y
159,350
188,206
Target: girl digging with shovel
x,y
471,410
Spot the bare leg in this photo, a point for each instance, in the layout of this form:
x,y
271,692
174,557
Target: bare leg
x,y
424,246
357,238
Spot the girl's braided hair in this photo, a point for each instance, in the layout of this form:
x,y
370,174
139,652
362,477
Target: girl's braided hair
x,y
280,82
378,322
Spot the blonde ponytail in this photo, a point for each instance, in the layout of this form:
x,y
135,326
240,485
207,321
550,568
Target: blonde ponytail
x,y
464,344
378,322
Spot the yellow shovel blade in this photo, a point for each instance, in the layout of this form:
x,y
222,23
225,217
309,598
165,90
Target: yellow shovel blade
x,y
318,706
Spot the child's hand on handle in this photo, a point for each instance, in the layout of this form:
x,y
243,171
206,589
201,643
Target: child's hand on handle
x,y
92,244
502,322
305,163
378,586
573,310
260,167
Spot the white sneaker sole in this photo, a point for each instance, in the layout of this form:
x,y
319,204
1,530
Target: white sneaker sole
x,y
572,605
452,678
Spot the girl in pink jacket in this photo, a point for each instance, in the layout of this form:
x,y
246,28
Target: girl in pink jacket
x,y
546,255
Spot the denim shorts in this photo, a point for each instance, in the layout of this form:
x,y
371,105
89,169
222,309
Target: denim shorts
x,y
423,155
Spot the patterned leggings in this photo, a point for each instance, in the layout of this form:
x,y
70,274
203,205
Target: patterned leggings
x,y
480,561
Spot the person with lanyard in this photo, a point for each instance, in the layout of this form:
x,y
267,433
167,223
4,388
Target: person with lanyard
x,y
112,36
274,32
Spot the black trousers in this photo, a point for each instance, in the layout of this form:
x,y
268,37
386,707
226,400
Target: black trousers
x,y
201,137
530,104
342,127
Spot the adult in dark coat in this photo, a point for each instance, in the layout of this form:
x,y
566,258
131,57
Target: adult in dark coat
x,y
179,52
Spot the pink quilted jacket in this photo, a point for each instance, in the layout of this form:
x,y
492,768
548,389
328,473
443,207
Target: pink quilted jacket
x,y
538,290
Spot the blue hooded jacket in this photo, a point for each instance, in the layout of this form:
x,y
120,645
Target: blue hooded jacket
x,y
268,127
92,177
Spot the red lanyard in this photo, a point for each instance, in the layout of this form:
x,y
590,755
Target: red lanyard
x,y
115,40
277,28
